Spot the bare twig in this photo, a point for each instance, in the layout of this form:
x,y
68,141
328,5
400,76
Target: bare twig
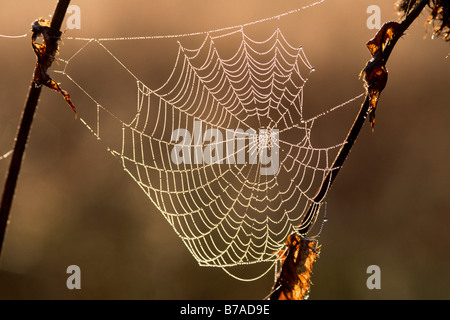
x,y
44,62
375,77
379,60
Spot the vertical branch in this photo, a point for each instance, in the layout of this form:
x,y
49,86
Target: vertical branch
x,y
51,47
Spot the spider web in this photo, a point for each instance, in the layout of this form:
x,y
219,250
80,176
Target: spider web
x,y
217,194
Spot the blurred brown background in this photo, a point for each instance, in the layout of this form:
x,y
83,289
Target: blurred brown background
x,y
389,205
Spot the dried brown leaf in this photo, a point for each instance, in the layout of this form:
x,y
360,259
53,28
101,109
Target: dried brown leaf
x,y
44,60
375,73
439,16
294,279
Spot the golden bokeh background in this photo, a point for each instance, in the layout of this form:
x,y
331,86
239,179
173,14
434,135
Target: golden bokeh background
x,y
389,205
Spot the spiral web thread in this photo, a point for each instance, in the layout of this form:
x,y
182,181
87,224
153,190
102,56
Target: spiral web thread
x,y
226,212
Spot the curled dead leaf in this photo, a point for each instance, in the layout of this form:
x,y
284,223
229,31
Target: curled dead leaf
x,y
42,28
375,73
297,260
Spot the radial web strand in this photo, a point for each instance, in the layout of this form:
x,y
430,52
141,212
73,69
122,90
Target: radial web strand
x,y
223,148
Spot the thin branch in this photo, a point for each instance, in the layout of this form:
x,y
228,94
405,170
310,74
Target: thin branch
x,y
378,60
51,46
375,77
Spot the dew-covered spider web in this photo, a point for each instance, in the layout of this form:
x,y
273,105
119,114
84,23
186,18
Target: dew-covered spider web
x,y
223,147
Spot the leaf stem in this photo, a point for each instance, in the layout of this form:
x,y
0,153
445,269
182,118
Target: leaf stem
x,y
359,121
25,124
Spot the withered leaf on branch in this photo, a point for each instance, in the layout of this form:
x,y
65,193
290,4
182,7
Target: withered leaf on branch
x,y
375,72
297,260
55,86
44,59
439,16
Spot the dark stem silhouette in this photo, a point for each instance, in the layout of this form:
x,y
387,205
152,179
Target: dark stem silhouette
x,y
374,75
46,56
